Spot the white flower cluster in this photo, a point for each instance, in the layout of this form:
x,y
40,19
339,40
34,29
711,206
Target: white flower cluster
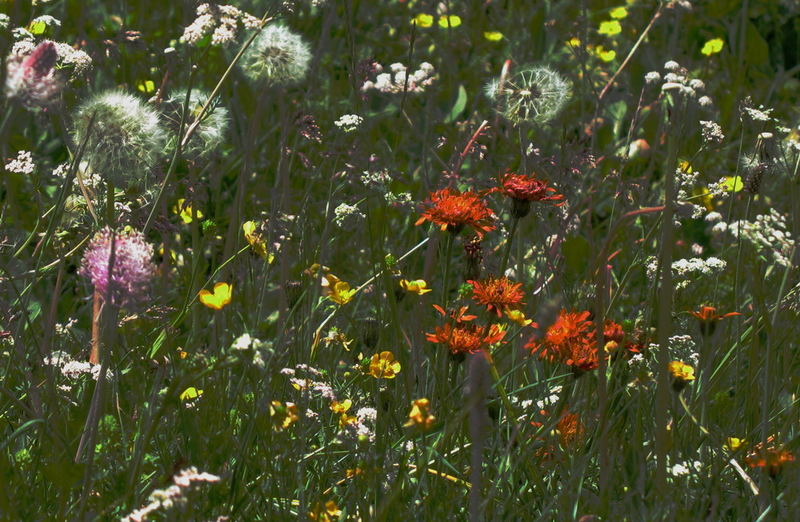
x,y
72,369
399,80
677,79
302,377
222,22
682,469
22,164
760,114
345,215
685,180
5,20
172,496
247,344
349,122
767,234
712,132
68,57
684,271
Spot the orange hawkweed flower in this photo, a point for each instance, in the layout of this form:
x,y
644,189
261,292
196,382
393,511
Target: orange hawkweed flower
x,y
497,294
451,210
771,459
524,189
562,337
708,317
464,338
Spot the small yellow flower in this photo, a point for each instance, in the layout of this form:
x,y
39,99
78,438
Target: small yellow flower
x,y
732,184
219,299
420,415
618,13
712,46
682,374
604,54
610,28
345,419
190,393
733,443
337,290
341,407
574,42
255,240
283,415
493,36
184,210
325,513
383,366
447,22
518,317
423,20
417,286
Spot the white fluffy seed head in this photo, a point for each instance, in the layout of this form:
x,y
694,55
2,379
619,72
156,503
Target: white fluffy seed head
x,y
534,94
126,137
209,134
277,57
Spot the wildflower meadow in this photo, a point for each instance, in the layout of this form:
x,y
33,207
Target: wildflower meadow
x,y
400,260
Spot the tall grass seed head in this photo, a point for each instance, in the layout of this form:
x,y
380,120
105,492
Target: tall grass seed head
x,y
127,137
277,57
534,94
209,134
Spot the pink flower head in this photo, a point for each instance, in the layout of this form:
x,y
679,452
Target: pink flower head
x,y
132,269
32,78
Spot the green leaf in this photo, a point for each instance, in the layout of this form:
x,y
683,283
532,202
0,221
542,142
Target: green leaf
x,y
458,107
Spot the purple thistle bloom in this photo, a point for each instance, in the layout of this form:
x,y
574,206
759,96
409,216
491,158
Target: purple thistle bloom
x,y
132,269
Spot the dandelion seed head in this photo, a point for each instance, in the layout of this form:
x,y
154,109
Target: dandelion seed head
x,y
277,57
126,137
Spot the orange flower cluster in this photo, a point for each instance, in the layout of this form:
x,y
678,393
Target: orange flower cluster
x,y
451,210
528,188
771,458
524,189
497,294
571,340
462,336
569,430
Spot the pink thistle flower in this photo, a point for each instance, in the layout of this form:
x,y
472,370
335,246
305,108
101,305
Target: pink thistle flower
x,y
132,269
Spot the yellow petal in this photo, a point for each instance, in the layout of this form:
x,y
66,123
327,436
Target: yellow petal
x,y
223,292
610,28
493,36
712,46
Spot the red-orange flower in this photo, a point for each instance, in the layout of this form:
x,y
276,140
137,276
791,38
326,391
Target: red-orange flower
x,y
466,337
528,188
451,210
497,294
708,317
570,340
771,459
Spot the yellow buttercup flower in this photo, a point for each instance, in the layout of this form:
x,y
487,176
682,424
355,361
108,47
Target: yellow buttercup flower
x,y
383,366
423,20
255,240
190,393
682,374
184,211
341,407
337,290
712,46
610,28
420,414
733,443
283,415
219,298
325,513
618,13
417,286
518,317
450,21
493,36
604,54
